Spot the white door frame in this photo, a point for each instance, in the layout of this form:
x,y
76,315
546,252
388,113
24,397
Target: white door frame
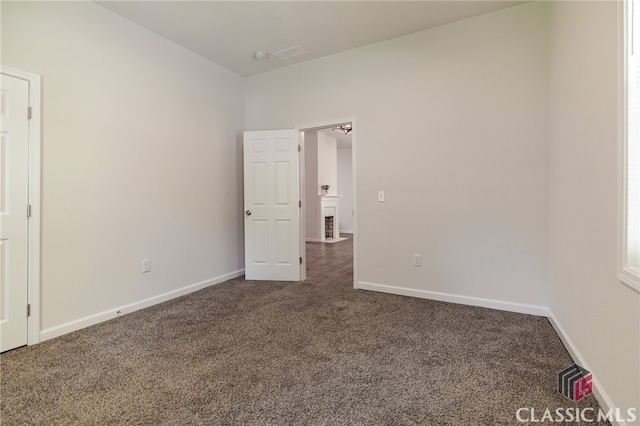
x,y
317,126
33,257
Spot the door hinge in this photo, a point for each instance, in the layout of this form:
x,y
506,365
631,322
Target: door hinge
x,y
301,261
300,204
28,309
299,148
28,211
29,113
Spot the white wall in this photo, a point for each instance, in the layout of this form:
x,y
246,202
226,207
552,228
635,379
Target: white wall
x,y
455,124
599,314
327,164
141,158
321,168
345,183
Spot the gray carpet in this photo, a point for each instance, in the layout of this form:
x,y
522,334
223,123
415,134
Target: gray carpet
x,y
265,353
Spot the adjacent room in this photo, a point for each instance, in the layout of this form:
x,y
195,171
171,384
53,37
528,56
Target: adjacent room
x,y
328,204
297,212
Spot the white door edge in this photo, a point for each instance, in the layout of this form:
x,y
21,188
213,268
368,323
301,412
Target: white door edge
x,y
33,273
324,125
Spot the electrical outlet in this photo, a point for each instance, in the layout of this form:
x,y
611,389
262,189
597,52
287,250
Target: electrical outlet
x,y
380,196
146,265
417,260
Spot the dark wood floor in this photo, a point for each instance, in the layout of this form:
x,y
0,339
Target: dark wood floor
x,y
331,264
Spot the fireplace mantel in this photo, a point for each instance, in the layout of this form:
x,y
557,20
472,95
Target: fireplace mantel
x,y
329,205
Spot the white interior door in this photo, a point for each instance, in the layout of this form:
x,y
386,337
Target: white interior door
x,y
14,223
271,204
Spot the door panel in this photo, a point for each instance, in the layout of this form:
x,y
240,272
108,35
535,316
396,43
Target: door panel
x,y
283,183
14,224
283,242
259,188
260,242
272,214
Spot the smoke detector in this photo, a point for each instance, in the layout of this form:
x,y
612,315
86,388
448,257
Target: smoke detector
x,y
260,55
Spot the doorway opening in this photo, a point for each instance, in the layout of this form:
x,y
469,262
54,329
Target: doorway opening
x,y
327,186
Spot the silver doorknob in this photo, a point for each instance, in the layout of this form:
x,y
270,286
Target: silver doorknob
x,y
248,212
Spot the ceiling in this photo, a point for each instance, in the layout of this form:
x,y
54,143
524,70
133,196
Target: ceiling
x,y
343,141
229,32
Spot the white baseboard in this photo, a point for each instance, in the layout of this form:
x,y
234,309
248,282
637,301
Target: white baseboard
x,y
81,323
454,298
598,391
312,240
600,394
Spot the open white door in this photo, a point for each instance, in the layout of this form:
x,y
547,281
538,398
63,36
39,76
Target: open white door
x,y
271,205
14,222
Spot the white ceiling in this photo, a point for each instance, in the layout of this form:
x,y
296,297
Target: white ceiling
x,y
229,32
343,141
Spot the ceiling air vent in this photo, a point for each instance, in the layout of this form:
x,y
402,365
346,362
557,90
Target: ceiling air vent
x,y
289,52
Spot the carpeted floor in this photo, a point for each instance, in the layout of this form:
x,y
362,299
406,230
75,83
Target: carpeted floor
x,y
265,353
